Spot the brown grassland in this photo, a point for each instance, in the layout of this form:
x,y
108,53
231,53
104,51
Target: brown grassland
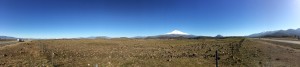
x,y
233,52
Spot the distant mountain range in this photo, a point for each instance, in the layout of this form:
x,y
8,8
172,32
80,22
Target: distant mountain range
x,y
170,36
7,37
278,33
176,34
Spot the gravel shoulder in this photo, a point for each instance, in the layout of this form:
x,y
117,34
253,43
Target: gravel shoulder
x,y
285,41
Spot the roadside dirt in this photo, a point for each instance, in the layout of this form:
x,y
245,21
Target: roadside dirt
x,y
279,55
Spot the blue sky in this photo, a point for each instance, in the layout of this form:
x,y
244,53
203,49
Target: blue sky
x,y
117,18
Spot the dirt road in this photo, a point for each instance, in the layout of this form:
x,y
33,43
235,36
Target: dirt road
x,y
280,54
8,42
3,43
285,41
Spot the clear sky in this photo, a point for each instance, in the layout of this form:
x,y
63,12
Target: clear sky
x,y
117,18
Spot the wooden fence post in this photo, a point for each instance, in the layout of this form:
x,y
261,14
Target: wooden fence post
x,y
217,58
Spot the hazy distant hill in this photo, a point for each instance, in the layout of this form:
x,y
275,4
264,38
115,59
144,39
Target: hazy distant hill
x,y
278,33
7,37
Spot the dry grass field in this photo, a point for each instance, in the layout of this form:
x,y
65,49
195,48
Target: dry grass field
x,y
233,52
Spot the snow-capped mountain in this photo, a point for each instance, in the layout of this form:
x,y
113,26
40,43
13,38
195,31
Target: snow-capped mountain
x,y
172,35
177,32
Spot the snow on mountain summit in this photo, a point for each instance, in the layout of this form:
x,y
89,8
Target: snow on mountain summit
x,y
177,32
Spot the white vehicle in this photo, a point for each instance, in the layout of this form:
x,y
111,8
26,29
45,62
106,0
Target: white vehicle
x,y
20,40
